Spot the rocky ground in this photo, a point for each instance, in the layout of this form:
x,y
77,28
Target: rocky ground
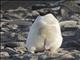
x,y
15,24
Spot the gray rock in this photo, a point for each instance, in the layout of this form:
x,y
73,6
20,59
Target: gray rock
x,y
11,44
17,57
35,13
42,10
4,55
29,14
77,35
13,34
5,29
68,33
67,56
20,22
65,13
13,26
21,49
11,51
27,56
34,58
1,47
69,28
1,14
2,23
18,13
21,37
70,24
1,33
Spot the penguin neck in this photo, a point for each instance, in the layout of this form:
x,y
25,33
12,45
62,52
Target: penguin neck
x,y
45,14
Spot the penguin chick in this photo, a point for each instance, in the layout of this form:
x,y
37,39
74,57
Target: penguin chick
x,y
44,34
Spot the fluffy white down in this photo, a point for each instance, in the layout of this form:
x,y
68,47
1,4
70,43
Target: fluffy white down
x,y
44,33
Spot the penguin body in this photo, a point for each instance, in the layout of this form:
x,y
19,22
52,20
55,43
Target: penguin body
x,y
44,34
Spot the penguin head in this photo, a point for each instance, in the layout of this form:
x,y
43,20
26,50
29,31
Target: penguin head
x,y
44,11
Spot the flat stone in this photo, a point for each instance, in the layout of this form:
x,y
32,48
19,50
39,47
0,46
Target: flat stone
x,y
13,26
4,54
35,13
11,51
68,24
68,33
11,44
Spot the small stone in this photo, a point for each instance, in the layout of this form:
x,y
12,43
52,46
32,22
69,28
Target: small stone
x,y
2,24
13,34
1,47
35,13
1,33
21,8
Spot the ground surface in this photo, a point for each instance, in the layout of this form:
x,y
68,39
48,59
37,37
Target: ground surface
x,y
16,19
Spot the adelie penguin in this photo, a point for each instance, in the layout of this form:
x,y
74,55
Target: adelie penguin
x,y
44,34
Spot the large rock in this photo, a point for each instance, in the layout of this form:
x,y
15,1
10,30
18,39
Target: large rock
x,y
13,26
68,28
68,24
11,44
4,55
11,51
